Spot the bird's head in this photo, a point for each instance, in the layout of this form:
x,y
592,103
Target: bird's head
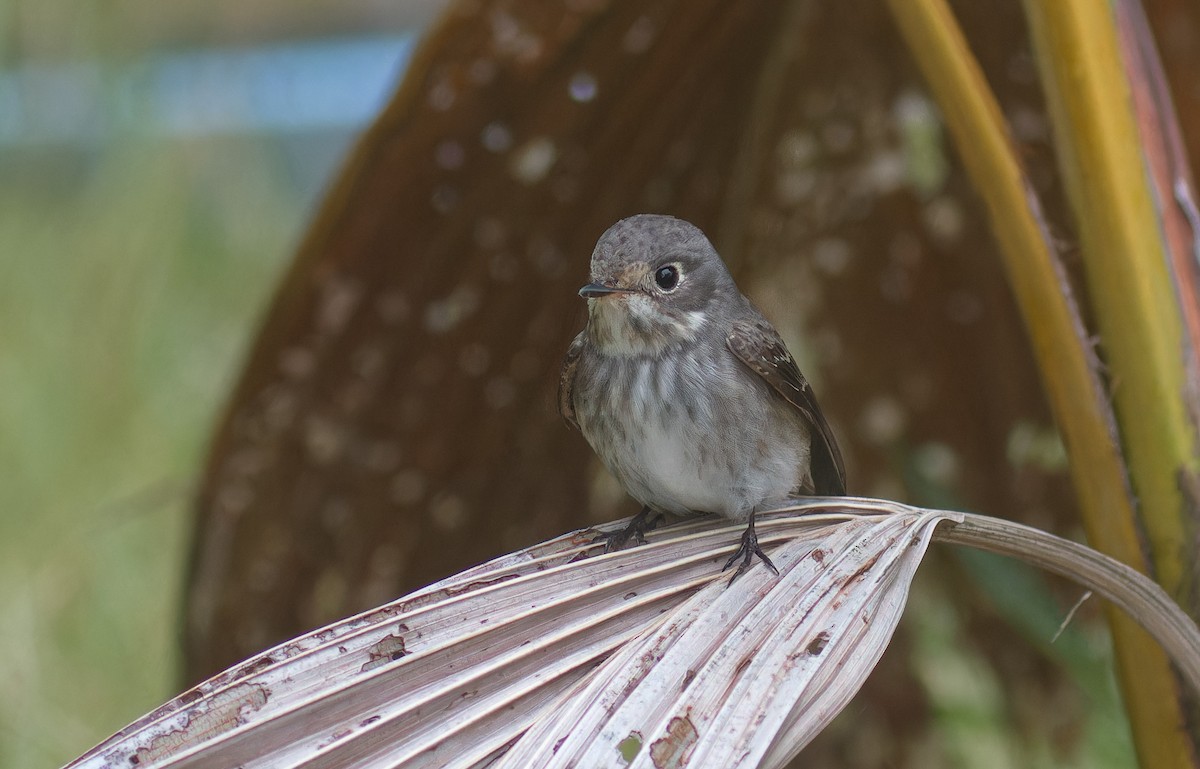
x,y
656,282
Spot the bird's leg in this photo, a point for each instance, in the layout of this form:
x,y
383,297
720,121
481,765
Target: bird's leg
x,y
747,551
636,530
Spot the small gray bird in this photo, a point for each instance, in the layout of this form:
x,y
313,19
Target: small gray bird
x,y
685,391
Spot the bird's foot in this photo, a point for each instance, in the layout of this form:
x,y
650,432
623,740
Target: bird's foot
x,y
746,553
645,521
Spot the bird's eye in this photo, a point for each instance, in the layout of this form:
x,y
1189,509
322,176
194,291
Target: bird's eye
x,y
667,277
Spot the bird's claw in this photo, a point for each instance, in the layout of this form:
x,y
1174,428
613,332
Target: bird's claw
x,y
746,552
634,531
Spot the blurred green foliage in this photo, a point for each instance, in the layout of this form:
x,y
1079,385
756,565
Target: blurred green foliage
x,y
131,276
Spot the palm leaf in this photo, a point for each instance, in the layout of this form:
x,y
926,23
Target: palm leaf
x,y
559,656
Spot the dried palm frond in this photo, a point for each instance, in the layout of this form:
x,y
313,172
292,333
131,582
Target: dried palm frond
x,y
562,655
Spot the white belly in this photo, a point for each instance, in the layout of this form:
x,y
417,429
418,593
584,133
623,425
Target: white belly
x,y
724,455
666,471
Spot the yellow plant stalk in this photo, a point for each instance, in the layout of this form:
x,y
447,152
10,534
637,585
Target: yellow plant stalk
x,y
1063,352
1127,274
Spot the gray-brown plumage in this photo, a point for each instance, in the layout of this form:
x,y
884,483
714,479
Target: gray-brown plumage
x,y
684,390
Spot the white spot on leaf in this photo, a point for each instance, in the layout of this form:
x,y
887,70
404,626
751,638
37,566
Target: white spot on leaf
x,y
324,439
937,462
1040,446
945,218
582,87
533,160
639,36
796,148
831,255
448,512
885,172
336,303
510,38
496,137
882,421
442,95
444,314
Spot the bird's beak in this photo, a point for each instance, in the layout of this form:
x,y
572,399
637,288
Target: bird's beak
x,y
595,290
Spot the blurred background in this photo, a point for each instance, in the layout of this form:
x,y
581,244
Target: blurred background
x,y
160,165
157,163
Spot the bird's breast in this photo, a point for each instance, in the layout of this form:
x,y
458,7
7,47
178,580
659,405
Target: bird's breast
x,y
689,430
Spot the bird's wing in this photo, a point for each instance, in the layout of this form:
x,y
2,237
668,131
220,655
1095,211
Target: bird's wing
x,y
566,380
760,347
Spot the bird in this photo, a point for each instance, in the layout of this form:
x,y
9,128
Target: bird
x,y
685,390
